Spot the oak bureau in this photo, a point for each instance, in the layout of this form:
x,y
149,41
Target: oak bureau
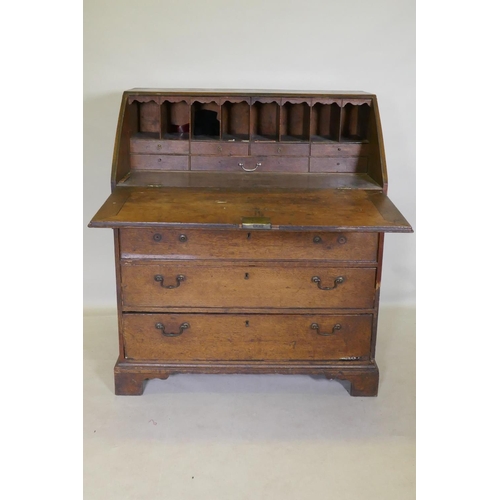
x,y
249,230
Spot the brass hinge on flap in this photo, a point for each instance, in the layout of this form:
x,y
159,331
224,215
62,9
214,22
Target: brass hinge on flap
x,y
256,223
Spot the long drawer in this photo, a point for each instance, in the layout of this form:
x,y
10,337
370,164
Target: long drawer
x,y
247,245
211,337
246,285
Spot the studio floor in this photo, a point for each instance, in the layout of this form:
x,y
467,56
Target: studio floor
x,y
254,437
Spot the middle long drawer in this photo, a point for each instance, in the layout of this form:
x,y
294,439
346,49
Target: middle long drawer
x,y
245,285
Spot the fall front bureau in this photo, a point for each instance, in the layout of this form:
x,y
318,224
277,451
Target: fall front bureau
x,y
249,231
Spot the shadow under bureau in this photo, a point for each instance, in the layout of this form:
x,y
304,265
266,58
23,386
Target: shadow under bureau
x,y
249,230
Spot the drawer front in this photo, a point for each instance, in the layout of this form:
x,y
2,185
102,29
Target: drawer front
x,y
339,164
231,337
280,149
339,149
219,148
250,164
159,162
246,245
165,147
190,284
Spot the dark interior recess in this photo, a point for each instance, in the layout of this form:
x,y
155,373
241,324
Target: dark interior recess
x,y
206,121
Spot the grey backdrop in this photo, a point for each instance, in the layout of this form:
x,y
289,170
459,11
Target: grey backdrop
x,y
306,45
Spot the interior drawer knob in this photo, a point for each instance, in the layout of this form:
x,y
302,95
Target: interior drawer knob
x,y
183,238
179,278
338,281
182,327
335,328
317,239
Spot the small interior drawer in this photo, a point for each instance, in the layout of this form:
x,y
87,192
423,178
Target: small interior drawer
x,y
246,337
280,149
219,148
339,149
161,147
159,162
353,165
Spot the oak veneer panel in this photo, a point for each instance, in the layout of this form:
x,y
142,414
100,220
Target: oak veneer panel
x,y
297,209
247,245
244,285
251,337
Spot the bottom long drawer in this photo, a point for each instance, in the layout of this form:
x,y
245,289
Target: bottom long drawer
x,y
239,337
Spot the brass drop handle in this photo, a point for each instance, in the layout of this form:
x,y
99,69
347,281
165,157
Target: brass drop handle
x,y
335,328
180,277
242,165
182,327
338,281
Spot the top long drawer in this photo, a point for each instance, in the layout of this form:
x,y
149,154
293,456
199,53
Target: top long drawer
x,y
247,245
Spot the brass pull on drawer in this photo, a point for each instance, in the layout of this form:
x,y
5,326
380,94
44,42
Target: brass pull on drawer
x,y
242,165
338,281
182,327
315,326
179,278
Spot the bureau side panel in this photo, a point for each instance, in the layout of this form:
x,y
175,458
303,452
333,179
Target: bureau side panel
x,y
116,234
378,280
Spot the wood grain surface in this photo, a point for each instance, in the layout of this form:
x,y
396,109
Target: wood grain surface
x,y
246,337
251,285
247,245
300,209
